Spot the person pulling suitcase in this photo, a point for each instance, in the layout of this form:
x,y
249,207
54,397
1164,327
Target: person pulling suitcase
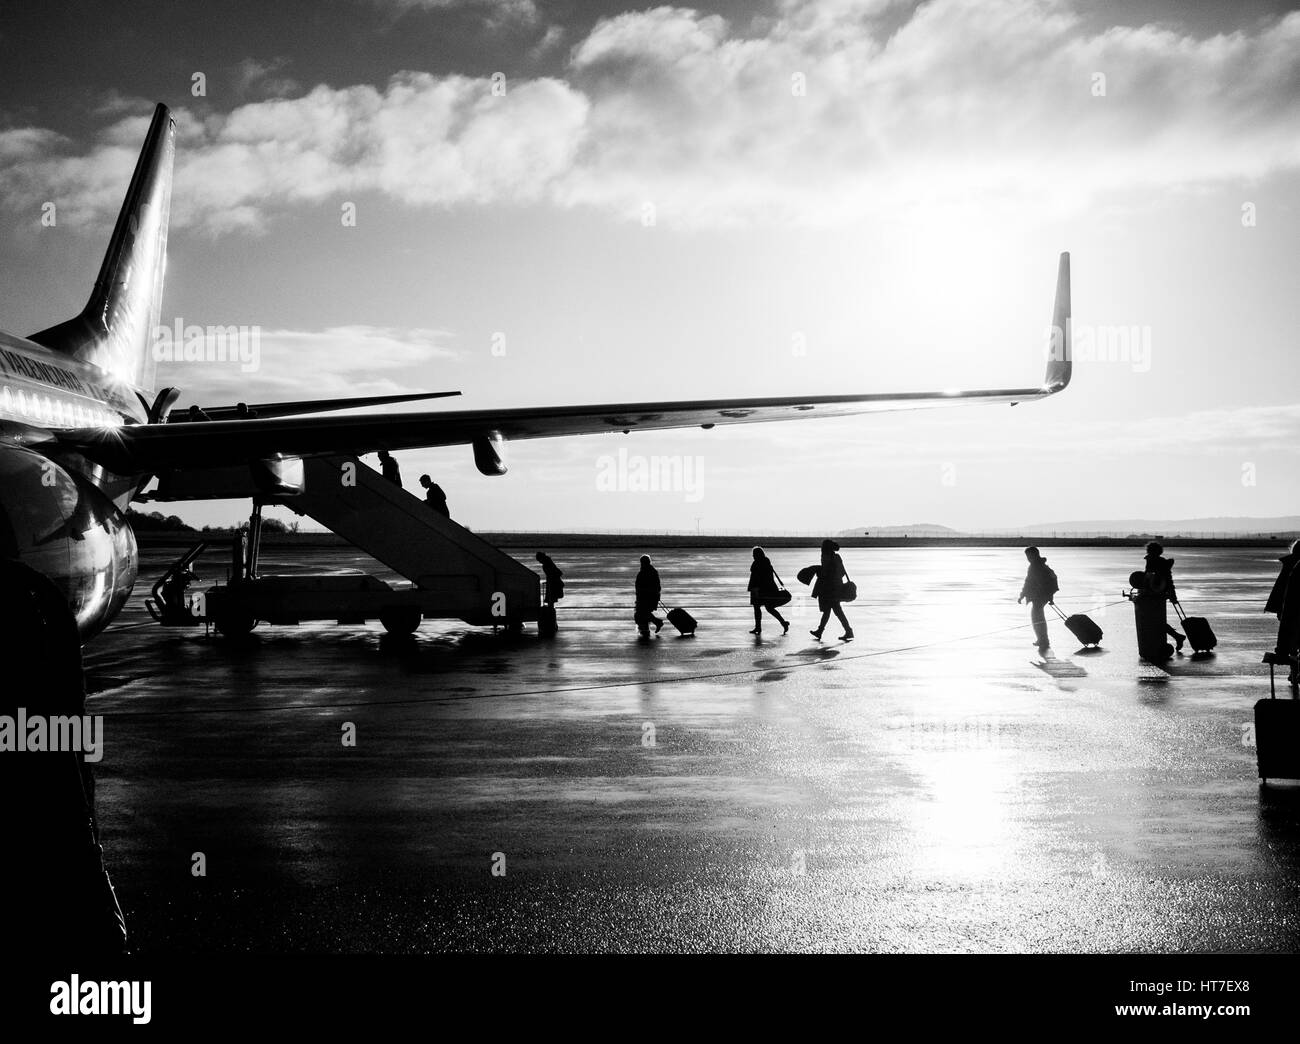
x,y
648,592
1039,589
1160,582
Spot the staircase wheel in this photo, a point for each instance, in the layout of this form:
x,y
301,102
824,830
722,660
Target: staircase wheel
x,y
400,621
235,624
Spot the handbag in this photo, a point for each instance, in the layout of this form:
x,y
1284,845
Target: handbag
x,y
849,590
782,597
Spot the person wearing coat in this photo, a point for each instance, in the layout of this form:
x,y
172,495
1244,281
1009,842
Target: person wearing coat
x,y
1284,602
1039,589
648,593
1160,579
554,578
763,590
829,589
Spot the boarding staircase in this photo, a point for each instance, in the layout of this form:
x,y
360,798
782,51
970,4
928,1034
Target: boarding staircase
x,y
467,578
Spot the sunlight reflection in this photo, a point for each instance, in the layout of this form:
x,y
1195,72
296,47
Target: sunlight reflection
x,y
963,823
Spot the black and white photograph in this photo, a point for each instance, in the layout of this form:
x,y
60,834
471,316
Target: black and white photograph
x,y
773,493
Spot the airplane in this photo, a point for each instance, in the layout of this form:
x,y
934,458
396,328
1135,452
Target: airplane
x,y
82,431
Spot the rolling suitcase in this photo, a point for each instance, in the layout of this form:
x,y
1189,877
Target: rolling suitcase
x,y
1277,739
1082,627
683,621
1199,632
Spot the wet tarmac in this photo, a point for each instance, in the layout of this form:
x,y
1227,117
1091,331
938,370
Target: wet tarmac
x,y
931,786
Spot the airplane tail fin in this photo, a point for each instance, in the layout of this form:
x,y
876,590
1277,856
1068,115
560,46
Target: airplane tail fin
x,y
115,329
1059,362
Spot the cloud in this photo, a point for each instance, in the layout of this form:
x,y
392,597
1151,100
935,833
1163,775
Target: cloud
x,y
966,103
254,77
423,141
496,12
814,115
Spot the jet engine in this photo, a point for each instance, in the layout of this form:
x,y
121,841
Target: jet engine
x,y
61,525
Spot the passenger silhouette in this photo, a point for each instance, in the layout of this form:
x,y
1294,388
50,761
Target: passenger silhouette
x,y
764,589
1160,581
434,496
1039,590
391,471
53,868
829,589
648,593
1284,600
554,578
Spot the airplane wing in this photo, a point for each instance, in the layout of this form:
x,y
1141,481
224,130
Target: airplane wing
x,y
197,444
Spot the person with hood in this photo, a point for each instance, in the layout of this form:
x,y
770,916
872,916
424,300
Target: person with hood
x,y
434,496
1039,590
829,589
390,468
554,578
1285,604
1160,580
764,588
648,593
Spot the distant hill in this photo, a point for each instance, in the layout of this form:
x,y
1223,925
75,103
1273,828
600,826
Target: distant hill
x,y
917,529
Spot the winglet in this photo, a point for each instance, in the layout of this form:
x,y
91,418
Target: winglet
x,y
1059,349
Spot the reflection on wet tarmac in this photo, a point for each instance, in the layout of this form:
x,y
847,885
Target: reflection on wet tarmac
x,y
933,785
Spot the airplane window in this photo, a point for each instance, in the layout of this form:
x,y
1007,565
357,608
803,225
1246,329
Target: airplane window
x,y
6,399
22,402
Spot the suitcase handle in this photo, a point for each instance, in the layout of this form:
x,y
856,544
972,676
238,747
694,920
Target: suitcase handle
x,y
1058,610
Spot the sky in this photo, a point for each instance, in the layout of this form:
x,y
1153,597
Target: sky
x,y
540,203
